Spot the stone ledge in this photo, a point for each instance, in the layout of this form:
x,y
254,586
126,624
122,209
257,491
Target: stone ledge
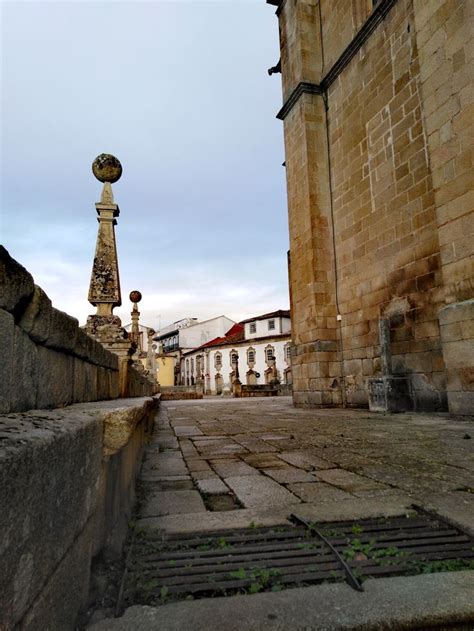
x,y
60,469
408,602
121,421
16,284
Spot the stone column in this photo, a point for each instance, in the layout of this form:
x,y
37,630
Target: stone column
x,y
316,363
135,297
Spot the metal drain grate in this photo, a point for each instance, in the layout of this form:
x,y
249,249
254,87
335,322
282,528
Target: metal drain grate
x,y
262,559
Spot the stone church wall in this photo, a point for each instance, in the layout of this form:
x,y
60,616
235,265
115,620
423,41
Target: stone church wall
x,y
379,157
387,245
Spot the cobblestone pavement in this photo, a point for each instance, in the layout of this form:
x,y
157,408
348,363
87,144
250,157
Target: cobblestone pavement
x,y
226,463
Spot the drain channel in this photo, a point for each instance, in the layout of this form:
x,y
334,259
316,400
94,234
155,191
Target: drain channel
x,y
221,563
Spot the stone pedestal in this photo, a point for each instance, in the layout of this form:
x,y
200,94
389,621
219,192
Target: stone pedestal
x,y
109,332
390,394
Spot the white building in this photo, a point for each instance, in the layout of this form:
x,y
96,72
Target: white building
x,y
261,346
187,334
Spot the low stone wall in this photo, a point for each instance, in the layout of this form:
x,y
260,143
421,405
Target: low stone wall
x,y
257,391
46,360
176,393
67,485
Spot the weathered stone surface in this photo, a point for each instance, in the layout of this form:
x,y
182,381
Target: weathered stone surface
x,y
49,468
50,612
16,284
348,481
36,319
212,486
256,491
317,492
63,331
7,336
55,379
187,430
61,503
229,468
393,603
172,502
120,423
457,335
25,376
305,460
289,474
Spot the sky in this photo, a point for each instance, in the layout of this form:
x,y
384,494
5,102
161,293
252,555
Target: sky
x,y
179,92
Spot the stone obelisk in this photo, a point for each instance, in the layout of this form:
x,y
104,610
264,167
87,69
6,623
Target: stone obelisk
x,y
104,288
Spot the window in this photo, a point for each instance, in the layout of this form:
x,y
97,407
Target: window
x,y
250,356
269,354
218,361
253,327
271,325
234,357
288,352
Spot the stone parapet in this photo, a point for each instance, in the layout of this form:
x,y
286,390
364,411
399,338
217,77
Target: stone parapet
x,y
46,360
67,480
176,393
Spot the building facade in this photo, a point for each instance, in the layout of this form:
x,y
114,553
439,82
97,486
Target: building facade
x,y
258,349
378,121
184,335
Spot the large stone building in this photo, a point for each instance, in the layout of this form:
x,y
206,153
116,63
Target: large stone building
x,y
378,118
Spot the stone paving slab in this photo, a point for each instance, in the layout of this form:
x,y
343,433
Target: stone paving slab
x,y
187,430
172,503
348,481
264,461
318,492
212,486
305,460
254,491
197,464
158,477
227,469
289,475
204,475
253,444
222,520
164,467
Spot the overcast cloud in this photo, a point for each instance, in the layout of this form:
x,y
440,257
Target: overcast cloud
x,y
179,92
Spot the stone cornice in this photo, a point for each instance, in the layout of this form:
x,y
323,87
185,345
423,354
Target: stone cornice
x,y
374,19
304,87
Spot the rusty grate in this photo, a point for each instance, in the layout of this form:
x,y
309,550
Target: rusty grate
x,y
271,559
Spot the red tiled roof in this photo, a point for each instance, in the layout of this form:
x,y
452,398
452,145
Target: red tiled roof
x,y
233,335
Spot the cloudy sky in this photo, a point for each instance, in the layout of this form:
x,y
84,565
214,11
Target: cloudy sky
x,y
179,92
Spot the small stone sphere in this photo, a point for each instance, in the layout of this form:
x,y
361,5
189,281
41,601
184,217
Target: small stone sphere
x,y
135,296
107,168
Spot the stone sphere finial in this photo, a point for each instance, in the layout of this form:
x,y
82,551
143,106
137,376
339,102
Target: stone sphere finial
x,y
135,296
107,168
